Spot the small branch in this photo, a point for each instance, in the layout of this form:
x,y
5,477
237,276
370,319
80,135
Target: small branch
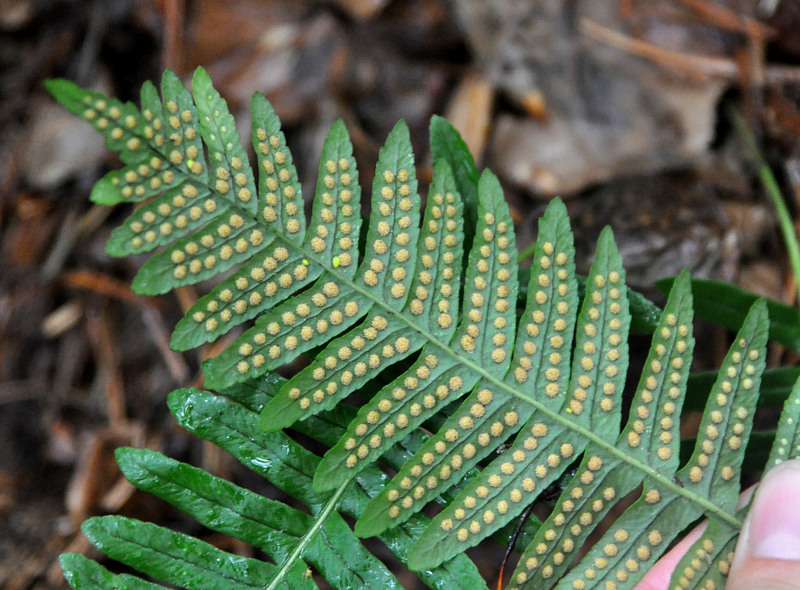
x,y
715,67
728,20
105,285
511,542
172,39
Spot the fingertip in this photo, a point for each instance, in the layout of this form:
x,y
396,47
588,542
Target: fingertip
x,y
767,554
772,528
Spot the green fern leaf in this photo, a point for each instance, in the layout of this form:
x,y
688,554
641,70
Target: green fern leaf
x,y
232,235
776,386
84,574
787,436
348,362
266,524
180,559
435,379
448,146
707,562
423,389
124,129
176,212
727,305
328,428
249,293
291,467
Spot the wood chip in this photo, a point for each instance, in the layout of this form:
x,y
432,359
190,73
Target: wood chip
x,y
470,111
62,319
360,9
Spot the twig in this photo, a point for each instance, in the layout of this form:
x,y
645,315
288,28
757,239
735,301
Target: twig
x,y
729,20
104,285
511,542
158,331
174,11
22,389
714,67
109,378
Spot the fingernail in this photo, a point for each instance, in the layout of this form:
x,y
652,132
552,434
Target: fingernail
x,y
772,529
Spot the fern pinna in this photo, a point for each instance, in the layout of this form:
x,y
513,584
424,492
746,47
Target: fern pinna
x,y
539,386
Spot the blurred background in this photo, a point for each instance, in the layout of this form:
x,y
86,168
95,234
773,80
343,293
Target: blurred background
x,y
615,105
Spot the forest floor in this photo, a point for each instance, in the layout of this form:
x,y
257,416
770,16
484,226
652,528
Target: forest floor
x,y
617,106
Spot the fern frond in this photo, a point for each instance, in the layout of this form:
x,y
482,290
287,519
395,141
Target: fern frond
x,y
290,467
787,436
425,387
266,524
439,293
437,378
279,337
381,282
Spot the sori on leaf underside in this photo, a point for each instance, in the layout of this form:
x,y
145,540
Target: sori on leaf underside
x,y
474,399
